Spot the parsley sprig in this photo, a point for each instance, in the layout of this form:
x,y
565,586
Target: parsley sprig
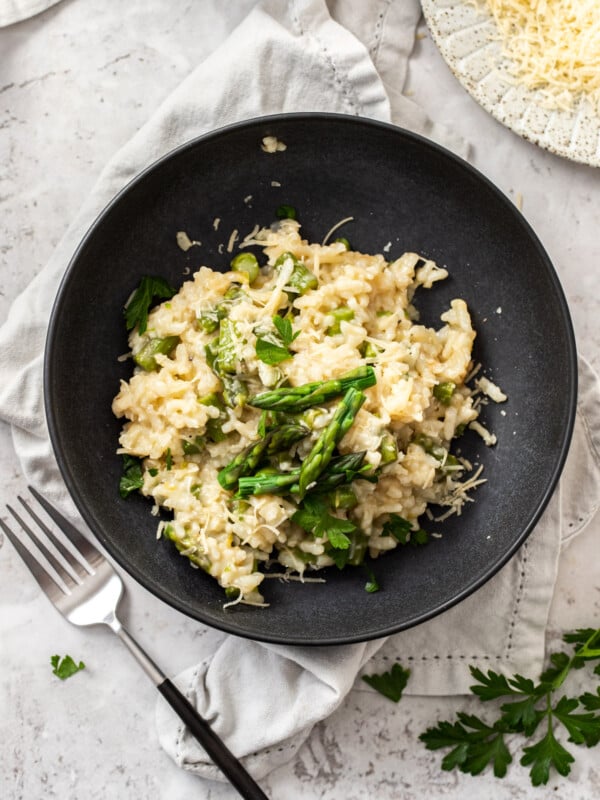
x,y
527,708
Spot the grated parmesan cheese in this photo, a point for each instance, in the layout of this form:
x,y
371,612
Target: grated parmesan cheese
x,y
232,240
553,46
489,439
271,144
489,388
184,242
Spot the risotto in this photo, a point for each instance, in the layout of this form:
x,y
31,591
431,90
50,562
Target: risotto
x,y
294,411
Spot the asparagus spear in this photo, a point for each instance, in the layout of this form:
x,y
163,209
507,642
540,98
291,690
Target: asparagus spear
x,y
298,398
268,483
340,472
320,455
284,437
248,460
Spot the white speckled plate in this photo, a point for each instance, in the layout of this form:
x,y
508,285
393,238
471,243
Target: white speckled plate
x,y
464,36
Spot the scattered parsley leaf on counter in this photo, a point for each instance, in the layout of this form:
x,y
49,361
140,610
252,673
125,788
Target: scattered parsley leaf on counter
x,y
390,684
136,310
65,667
475,744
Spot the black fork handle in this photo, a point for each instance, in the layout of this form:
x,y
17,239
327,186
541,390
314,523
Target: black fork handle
x,y
229,765
214,747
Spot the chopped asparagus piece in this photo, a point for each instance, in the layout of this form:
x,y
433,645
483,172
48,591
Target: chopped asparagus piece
x,y
302,279
344,241
342,314
248,263
146,356
388,449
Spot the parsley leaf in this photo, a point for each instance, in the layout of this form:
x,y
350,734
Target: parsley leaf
x,y
284,328
390,684
271,353
136,310
591,701
546,753
313,517
474,745
582,728
64,667
401,530
274,347
371,585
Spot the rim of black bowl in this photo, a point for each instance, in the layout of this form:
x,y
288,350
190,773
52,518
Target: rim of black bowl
x,y
132,569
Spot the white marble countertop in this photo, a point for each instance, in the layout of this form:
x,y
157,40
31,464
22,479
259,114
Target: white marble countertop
x,y
75,83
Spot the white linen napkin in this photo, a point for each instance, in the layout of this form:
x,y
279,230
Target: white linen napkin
x,y
264,699
12,11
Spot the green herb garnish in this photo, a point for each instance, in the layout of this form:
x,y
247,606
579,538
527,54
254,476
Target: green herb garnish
x,y
275,347
474,744
401,529
390,684
136,310
371,585
286,212
64,667
313,517
132,477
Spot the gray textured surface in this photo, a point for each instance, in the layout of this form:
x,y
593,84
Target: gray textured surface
x,y
75,83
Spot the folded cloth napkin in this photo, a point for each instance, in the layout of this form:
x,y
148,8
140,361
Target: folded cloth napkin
x,y
12,11
306,55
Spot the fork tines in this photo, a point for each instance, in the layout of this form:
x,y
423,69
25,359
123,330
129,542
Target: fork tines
x,y
68,565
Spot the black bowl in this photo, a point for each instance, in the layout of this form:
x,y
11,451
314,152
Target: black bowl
x,y
400,188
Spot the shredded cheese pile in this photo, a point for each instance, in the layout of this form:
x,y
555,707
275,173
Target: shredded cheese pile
x,y
554,46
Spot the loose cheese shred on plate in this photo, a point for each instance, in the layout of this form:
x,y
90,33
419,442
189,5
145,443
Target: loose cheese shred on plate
x,y
554,46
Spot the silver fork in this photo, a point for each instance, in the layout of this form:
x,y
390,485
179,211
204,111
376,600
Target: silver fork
x,y
88,594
